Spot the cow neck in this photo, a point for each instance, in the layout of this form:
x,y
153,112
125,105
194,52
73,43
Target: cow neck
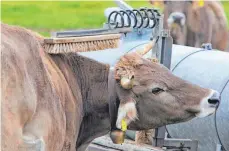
x,y
113,100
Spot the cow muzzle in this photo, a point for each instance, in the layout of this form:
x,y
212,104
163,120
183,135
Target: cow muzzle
x,y
176,18
209,104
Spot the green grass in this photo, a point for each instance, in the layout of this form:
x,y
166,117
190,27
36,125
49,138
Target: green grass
x,y
51,16
226,9
48,16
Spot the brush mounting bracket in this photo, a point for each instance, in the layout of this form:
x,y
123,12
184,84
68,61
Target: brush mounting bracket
x,y
133,18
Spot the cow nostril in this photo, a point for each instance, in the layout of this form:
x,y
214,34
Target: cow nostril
x,y
215,98
213,101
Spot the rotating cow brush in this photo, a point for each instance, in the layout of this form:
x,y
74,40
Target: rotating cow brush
x,y
119,22
83,41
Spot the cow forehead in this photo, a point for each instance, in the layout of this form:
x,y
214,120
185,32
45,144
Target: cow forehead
x,y
178,6
151,67
175,3
154,73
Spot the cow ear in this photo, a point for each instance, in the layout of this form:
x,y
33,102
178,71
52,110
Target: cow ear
x,y
126,66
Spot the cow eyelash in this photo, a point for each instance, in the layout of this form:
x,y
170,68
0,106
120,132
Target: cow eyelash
x,y
157,90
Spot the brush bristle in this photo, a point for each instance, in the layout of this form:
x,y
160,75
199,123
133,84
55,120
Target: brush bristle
x,y
55,48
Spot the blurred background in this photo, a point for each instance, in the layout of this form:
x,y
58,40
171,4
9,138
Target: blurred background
x,y
48,16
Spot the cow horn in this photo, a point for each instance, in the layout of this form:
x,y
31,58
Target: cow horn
x,y
126,83
147,48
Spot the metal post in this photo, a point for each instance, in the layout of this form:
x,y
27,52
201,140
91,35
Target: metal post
x,y
165,59
166,48
156,53
158,139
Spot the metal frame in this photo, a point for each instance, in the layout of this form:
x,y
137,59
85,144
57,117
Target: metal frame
x,y
182,144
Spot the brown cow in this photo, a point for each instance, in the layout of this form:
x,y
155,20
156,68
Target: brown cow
x,y
54,102
193,23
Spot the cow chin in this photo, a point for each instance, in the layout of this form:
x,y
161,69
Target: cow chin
x,y
206,108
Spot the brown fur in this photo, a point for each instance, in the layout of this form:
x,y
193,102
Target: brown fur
x,y
28,70
144,137
178,33
125,67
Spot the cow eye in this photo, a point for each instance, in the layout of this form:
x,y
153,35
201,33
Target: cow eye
x,y
157,90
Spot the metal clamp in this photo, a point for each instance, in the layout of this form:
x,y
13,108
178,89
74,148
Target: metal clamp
x,y
206,46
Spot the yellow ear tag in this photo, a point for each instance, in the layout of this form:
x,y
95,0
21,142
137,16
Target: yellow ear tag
x,y
201,3
124,125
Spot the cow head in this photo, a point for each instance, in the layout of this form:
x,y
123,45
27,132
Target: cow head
x,y
151,96
177,17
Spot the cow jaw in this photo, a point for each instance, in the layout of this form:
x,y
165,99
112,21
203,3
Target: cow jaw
x,y
127,112
206,108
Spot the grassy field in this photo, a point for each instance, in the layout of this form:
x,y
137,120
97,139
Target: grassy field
x,y
48,16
